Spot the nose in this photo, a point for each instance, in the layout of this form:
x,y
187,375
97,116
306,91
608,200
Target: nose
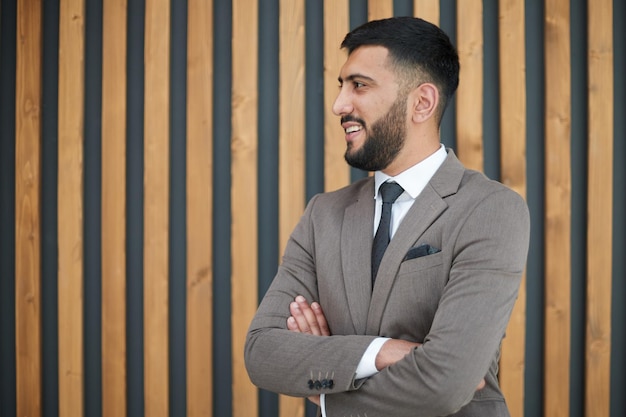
x,y
342,104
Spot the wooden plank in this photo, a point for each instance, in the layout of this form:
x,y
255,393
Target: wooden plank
x,y
557,208
336,26
512,68
244,243
600,213
291,180
70,207
427,10
379,9
199,208
114,208
469,96
156,207
27,209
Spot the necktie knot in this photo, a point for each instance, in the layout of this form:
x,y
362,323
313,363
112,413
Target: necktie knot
x,y
390,191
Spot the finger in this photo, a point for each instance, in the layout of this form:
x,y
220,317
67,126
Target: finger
x,y
309,315
481,385
299,318
292,325
321,319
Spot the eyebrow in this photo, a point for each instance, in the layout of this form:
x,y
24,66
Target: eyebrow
x,y
352,77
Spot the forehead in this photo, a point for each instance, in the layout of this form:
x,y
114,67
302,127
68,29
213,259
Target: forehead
x,y
368,61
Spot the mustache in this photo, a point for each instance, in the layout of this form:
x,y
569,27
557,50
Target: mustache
x,y
350,118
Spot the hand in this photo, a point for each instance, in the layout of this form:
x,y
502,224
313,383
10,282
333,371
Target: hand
x,y
394,350
310,319
307,318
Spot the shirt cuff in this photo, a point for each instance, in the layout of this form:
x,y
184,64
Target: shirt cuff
x,y
367,365
323,404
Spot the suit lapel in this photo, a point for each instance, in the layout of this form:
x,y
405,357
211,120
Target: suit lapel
x,y
428,206
356,248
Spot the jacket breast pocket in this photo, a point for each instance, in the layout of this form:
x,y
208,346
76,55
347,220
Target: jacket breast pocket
x,y
421,264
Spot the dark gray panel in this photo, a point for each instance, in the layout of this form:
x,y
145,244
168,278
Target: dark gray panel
x,y
7,207
177,208
92,188
134,207
222,356
535,171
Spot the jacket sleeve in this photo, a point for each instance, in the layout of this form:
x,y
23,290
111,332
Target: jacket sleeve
x,y
291,363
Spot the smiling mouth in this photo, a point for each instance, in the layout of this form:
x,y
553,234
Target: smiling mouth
x,y
353,129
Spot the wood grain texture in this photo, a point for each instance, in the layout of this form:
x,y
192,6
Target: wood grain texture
x,y
599,209
336,26
427,9
512,70
28,209
558,184
70,207
379,9
199,208
291,179
244,197
469,96
156,207
114,209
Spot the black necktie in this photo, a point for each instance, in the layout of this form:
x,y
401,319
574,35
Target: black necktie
x,y
389,191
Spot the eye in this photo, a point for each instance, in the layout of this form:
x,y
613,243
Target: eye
x,y
358,84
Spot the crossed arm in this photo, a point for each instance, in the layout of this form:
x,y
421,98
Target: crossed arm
x,y
309,318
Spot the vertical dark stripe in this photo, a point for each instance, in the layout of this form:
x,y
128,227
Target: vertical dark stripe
x,y
177,209
314,92
8,27
358,16
535,169
92,189
222,81
403,7
268,154
49,211
618,313
134,208
448,25
579,156
491,90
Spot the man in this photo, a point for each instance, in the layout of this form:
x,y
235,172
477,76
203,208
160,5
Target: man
x,y
413,330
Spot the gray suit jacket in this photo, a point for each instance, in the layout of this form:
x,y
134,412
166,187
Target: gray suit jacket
x,y
455,298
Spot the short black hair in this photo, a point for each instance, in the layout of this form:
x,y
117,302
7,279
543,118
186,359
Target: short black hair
x,y
414,45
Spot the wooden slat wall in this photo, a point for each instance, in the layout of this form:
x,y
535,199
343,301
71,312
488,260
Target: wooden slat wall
x,y
512,70
199,211
469,96
156,207
70,207
552,224
336,25
558,211
28,209
600,209
291,140
244,148
114,209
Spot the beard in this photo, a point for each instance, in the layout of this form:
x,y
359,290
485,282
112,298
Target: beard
x,y
383,142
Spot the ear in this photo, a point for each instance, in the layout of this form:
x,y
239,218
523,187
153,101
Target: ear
x,y
424,101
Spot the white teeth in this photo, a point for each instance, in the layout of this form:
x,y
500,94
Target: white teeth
x,y
352,129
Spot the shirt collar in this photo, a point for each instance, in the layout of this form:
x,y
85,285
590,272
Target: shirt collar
x,y
415,178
